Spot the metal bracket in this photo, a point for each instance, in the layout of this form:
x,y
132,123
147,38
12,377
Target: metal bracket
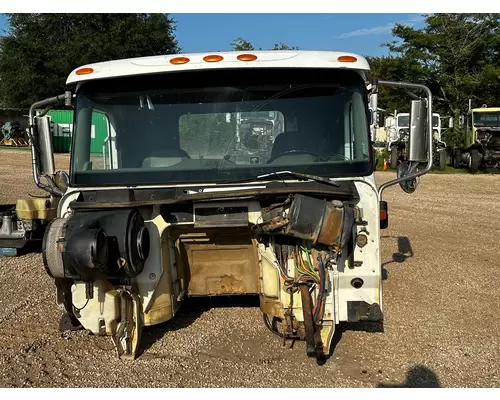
x,y
417,173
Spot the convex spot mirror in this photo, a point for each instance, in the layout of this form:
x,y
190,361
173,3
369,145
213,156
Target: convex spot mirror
x,y
410,185
61,179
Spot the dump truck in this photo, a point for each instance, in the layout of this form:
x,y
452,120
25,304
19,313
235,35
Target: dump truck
x,y
165,213
482,144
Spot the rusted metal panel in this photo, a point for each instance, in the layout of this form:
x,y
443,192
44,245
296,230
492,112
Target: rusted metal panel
x,y
332,226
316,220
271,307
220,265
209,217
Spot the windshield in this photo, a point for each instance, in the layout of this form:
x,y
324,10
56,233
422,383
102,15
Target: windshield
x,y
220,125
403,121
435,121
488,118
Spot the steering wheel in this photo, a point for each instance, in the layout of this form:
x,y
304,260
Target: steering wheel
x,y
342,156
319,158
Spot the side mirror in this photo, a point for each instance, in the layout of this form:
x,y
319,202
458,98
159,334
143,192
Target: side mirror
x,y
44,142
61,179
417,142
417,145
409,185
420,144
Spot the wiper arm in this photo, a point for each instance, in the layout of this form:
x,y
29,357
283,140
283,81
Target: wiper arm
x,y
300,175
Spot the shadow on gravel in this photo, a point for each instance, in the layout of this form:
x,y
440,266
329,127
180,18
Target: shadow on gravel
x,y
190,311
404,252
361,326
416,377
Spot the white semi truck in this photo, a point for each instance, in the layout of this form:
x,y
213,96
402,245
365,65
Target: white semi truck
x,y
398,140
165,213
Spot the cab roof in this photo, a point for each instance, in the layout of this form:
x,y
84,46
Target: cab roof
x,y
219,60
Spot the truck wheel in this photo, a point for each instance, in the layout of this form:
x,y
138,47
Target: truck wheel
x,y
474,161
394,157
457,155
442,160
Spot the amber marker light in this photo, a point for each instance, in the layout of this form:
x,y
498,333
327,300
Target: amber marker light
x,y
213,58
84,71
179,60
247,57
347,59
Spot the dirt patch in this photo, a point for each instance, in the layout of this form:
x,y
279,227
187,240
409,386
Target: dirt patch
x,y
440,260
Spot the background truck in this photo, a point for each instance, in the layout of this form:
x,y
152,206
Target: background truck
x,y
165,213
11,135
398,141
23,224
482,143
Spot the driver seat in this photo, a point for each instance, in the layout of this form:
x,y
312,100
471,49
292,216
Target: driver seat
x,y
165,158
300,141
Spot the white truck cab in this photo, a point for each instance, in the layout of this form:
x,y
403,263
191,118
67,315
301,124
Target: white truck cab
x,y
173,207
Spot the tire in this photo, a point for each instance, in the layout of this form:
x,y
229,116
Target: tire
x,y
442,160
457,155
394,157
474,161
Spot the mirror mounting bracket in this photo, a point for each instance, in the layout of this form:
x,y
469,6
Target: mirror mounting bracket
x,y
407,174
44,158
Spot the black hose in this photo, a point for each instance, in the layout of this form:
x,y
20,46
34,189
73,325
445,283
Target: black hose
x,y
307,311
270,326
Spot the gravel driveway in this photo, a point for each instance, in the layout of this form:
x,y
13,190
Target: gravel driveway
x,y
442,286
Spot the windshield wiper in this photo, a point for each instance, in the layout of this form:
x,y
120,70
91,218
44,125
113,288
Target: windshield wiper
x,y
300,175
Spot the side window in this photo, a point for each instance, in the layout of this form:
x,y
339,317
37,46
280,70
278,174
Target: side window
x,y
348,132
100,144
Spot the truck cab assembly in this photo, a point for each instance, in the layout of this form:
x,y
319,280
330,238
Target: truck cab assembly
x,y
482,147
245,181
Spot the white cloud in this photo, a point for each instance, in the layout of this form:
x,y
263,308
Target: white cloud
x,y
382,29
376,30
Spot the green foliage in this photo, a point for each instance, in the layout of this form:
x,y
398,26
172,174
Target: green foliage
x,y
42,49
283,46
456,55
240,44
396,69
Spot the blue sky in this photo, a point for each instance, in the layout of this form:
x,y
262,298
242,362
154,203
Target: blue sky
x,y
358,33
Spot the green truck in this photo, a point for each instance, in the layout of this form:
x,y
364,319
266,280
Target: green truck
x,y
482,145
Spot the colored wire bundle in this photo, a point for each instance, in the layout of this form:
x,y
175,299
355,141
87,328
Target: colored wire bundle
x,y
307,273
319,309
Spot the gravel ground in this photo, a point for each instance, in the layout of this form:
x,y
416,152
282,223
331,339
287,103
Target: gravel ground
x,y
440,330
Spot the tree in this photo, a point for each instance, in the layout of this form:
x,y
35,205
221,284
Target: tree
x,y
240,44
395,69
457,56
42,49
282,46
